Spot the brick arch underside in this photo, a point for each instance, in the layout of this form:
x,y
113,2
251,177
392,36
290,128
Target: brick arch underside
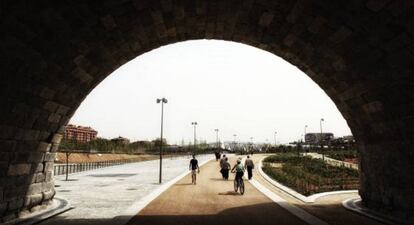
x,y
53,53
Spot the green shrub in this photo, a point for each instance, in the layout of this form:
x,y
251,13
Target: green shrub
x,y
308,176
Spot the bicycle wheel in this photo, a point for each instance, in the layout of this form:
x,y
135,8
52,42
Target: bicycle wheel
x,y
241,186
236,185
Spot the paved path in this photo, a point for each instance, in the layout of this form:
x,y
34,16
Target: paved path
x,y
213,201
102,196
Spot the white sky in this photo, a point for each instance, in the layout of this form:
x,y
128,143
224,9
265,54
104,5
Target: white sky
x,y
236,88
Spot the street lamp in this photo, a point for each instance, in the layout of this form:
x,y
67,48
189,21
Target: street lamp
x,y
275,139
217,139
304,134
162,101
235,143
195,124
323,155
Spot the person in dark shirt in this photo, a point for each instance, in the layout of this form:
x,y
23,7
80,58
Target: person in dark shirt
x,y
194,169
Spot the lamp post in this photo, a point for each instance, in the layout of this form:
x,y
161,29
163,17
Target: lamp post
x,y
275,139
235,143
162,101
195,125
323,155
304,134
217,139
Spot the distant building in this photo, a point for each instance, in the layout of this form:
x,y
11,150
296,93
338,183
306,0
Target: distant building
x,y
80,133
121,140
317,138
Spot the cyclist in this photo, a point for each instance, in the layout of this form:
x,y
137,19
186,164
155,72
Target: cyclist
x,y
239,169
194,169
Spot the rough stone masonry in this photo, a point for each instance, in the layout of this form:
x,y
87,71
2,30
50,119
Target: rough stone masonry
x,y
53,53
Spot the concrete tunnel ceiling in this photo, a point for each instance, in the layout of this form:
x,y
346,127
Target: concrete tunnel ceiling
x,y
53,53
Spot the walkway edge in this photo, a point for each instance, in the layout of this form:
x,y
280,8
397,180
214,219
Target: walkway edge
x,y
298,212
58,206
293,193
137,206
352,205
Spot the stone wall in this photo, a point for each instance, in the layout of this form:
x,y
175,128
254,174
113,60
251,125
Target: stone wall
x,y
53,53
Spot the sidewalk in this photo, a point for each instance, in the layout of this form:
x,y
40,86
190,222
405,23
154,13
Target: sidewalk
x,y
101,195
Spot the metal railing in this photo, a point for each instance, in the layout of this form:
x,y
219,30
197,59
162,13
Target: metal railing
x,y
61,169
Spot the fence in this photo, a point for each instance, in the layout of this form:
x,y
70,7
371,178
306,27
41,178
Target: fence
x,y
79,167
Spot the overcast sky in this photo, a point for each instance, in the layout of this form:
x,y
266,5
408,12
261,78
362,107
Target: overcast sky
x,y
233,87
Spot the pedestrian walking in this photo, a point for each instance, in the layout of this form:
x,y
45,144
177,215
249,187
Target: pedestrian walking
x,y
226,168
249,165
222,160
194,169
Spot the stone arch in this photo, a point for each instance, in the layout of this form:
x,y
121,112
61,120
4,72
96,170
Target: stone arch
x,y
53,53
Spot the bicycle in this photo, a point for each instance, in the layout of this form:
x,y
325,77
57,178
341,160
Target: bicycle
x,y
239,185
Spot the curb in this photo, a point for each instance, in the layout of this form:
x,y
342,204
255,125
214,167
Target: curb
x,y
293,193
296,211
352,205
58,206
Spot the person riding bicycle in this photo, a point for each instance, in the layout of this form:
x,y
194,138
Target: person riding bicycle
x,y
239,169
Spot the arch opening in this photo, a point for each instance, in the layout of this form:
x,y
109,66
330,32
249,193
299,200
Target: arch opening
x,y
55,54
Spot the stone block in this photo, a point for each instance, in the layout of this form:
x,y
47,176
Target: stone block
x,y
9,215
36,157
7,132
55,148
108,22
7,145
44,147
3,207
30,135
48,186
54,118
39,167
15,204
3,168
14,192
47,195
56,138
19,169
40,177
376,5
340,35
35,188
47,93
48,167
266,19
49,157
50,106
31,200
62,110
49,176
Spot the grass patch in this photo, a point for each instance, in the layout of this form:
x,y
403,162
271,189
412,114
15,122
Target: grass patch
x,y
309,176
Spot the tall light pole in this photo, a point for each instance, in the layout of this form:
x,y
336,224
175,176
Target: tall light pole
x,y
195,125
217,139
162,101
275,139
235,143
304,134
320,123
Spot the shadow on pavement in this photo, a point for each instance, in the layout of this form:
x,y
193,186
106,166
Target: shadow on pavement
x,y
229,193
